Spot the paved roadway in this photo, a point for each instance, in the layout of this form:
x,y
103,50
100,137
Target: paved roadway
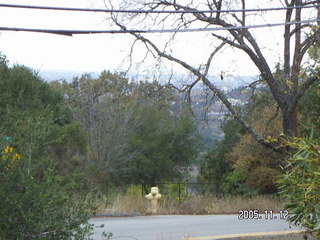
x,y
177,227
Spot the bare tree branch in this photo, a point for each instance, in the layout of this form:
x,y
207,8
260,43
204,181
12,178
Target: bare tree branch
x,y
211,86
216,50
283,84
274,116
300,28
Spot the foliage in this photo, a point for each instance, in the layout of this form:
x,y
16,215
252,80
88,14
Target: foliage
x,y
22,90
215,164
314,52
134,190
252,168
163,142
37,204
35,115
137,131
240,165
176,191
102,106
258,165
68,152
233,183
309,108
300,185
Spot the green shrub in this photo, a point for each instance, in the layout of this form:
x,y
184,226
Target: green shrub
x,y
300,185
172,191
35,203
134,190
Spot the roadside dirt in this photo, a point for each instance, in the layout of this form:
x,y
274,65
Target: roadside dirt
x,y
296,236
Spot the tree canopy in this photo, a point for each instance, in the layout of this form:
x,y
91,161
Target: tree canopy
x,y
138,132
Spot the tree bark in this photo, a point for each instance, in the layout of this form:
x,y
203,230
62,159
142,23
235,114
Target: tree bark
x,y
290,122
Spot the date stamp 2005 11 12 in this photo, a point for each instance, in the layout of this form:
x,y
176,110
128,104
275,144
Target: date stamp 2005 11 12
x,y
267,214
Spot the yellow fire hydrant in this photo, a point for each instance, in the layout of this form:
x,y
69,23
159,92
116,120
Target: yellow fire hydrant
x,y
154,196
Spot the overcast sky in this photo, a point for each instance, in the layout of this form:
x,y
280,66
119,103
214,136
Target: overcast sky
x,y
49,51
94,53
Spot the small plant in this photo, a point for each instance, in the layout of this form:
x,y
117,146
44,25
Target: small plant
x,y
134,190
300,185
175,191
9,158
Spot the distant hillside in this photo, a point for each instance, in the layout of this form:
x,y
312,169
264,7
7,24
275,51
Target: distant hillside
x,y
227,84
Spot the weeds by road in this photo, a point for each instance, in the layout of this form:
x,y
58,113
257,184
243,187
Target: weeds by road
x,y
198,204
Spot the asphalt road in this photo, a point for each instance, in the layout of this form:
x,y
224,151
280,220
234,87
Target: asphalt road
x,y
175,227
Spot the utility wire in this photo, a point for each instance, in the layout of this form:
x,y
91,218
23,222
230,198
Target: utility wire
x,y
74,32
153,11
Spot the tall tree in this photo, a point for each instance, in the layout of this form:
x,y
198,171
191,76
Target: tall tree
x,y
165,136
102,105
137,132
286,88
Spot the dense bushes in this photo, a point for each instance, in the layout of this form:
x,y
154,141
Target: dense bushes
x,y
36,202
300,185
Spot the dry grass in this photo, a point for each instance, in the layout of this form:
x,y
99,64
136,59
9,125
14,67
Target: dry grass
x,y
122,203
192,205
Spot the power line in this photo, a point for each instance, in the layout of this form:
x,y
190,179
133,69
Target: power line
x,y
75,32
153,11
